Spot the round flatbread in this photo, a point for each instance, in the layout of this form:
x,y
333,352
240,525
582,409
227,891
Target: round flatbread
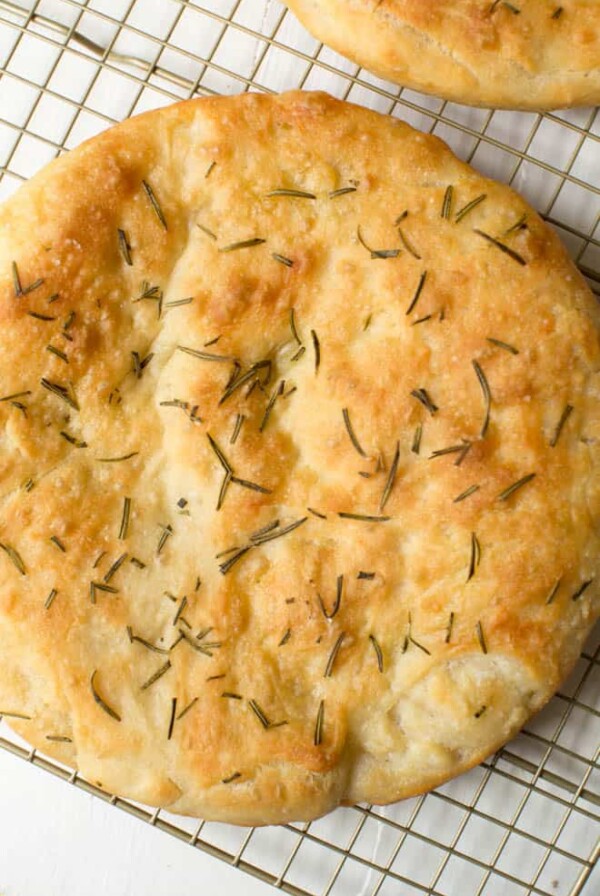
x,y
526,54
299,454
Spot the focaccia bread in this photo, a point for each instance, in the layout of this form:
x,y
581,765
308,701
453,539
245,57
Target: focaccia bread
x,y
299,459
526,54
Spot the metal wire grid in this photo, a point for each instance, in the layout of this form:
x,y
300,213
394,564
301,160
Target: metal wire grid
x,y
527,821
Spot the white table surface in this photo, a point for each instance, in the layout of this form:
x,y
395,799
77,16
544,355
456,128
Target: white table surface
x,y
56,840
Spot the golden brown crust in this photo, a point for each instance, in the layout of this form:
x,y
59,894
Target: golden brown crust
x,y
519,55
468,649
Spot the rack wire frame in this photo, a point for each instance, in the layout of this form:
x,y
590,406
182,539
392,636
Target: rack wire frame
x,y
528,820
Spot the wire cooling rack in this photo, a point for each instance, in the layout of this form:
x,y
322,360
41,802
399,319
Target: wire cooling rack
x,y
528,820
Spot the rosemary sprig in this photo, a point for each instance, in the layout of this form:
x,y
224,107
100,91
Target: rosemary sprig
x,y
264,529
481,637
59,354
449,628
15,395
236,382
407,244
475,556
231,778
560,425
366,575
378,652
210,169
167,531
102,703
461,450
219,454
115,567
391,479
416,443
286,637
115,460
338,600
499,344
318,735
177,303
447,203
423,397
487,397
56,541
317,349
282,259
125,247
243,244
262,718
208,232
78,443
228,564
226,552
351,433
292,194
185,711
155,677
557,13
469,207
480,711
293,326
205,356
61,392
363,517
147,644
553,592
502,246
410,639
180,609
333,656
16,280
19,289
59,739
14,557
172,717
229,695
505,495
270,405
154,202
99,586
137,563
582,589
253,486
518,225
239,420
277,533
15,715
50,599
377,253
342,192
466,494
418,291
125,519
43,317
